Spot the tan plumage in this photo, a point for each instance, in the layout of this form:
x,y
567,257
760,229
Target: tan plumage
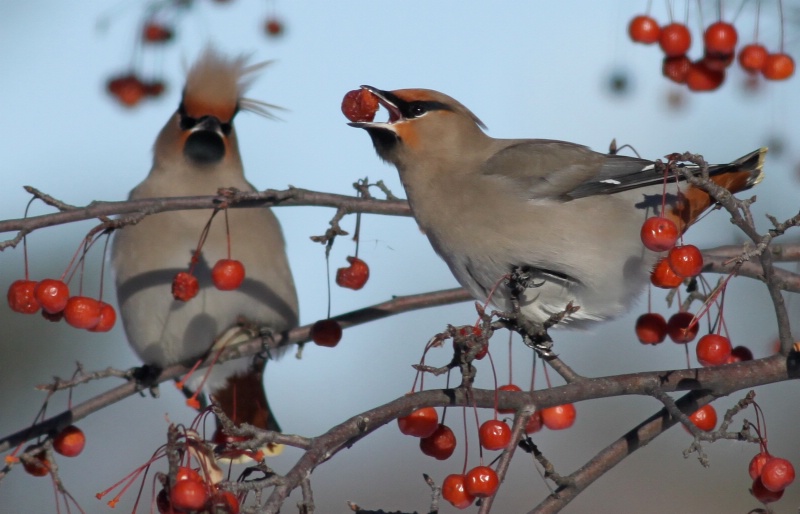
x,y
196,153
569,215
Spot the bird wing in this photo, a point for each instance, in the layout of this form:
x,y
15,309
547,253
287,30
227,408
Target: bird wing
x,y
565,171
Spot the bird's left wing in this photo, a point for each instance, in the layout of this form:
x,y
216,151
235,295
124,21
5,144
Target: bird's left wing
x,y
565,171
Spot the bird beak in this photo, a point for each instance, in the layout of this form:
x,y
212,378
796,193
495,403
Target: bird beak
x,y
390,102
210,124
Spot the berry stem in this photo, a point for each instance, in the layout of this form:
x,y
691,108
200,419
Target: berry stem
x,y
699,14
202,241
686,351
447,387
758,20
546,374
510,361
328,272
466,441
780,15
103,267
494,376
228,233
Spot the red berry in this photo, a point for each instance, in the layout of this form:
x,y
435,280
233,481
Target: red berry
x,y
52,295
763,494
701,77
757,464
777,474
651,328
188,495
82,312
187,473
675,39
494,434
38,465
154,32
355,276
662,275
70,441
55,318
716,62
326,332
686,261
227,274
740,354
720,38
534,423
108,317
454,491
676,68
559,417
705,418
481,482
154,88
21,297
422,422
359,105
644,29
273,27
162,503
680,329
659,234
185,286
753,57
713,350
778,66
440,444
225,501
128,89
508,387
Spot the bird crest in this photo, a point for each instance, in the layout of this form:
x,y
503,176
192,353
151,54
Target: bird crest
x,y
216,86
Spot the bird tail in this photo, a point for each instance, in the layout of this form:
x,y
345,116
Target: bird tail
x,y
243,400
739,175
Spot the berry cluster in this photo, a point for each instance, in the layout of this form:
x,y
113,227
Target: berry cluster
x,y
226,275
52,296
771,475
158,29
438,440
69,442
719,49
195,486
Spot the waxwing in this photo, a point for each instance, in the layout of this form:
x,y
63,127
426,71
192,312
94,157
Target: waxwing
x,y
196,153
568,215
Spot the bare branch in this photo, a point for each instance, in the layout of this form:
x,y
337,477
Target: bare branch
x,y
235,199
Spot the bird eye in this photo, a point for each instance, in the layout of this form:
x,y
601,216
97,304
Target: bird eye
x,y
187,122
417,109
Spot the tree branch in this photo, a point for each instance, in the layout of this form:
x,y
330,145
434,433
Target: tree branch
x,y
397,305
235,199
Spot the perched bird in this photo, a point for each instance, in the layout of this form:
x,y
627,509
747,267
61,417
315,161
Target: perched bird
x,y
196,153
568,216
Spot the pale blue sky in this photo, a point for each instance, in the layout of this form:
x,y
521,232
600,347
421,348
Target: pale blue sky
x,y
539,69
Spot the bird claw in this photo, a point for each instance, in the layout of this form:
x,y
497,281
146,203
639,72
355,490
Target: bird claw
x,y
146,377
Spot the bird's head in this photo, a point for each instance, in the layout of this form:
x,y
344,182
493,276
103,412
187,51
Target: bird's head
x,y
201,132
422,123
